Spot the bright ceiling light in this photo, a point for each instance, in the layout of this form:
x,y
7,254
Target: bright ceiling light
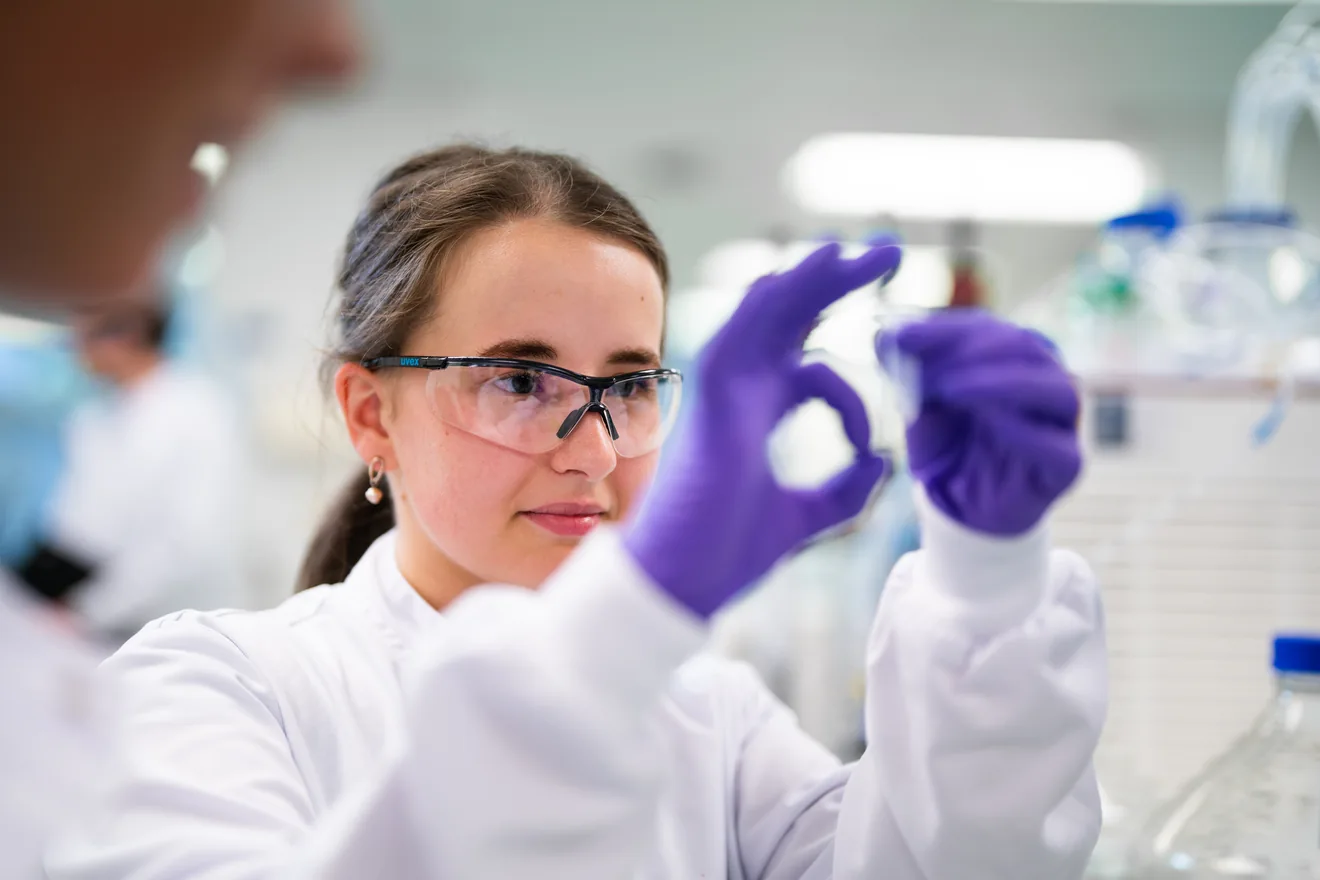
x,y
988,179
923,282
739,262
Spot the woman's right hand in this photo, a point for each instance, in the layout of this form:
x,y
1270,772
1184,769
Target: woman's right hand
x,y
716,519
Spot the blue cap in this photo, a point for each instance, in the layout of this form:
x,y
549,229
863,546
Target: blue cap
x,y
1297,653
1161,219
1284,217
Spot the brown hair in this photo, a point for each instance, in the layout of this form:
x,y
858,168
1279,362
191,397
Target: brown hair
x,y
415,219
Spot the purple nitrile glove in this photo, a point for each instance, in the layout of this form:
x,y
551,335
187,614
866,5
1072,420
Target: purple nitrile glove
x,y
715,519
994,440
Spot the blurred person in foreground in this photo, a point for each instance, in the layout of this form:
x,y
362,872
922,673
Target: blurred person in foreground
x,y
105,105
144,520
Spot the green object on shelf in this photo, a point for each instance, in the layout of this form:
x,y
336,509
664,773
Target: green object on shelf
x,y
1107,293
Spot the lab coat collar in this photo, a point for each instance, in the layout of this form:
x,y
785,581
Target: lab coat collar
x,y
406,612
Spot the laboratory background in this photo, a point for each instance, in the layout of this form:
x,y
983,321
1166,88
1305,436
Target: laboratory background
x,y
1139,181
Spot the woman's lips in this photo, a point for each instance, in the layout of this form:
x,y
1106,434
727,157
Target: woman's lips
x,y
565,520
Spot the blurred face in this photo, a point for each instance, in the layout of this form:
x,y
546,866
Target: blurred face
x,y
471,511
105,104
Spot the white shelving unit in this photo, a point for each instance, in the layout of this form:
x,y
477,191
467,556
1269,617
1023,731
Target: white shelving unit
x,y
1204,548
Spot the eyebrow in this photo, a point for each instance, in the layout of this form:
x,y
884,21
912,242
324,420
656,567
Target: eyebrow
x,y
525,349
634,357
539,350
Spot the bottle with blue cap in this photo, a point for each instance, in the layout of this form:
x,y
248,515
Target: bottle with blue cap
x,y
1107,282
1254,812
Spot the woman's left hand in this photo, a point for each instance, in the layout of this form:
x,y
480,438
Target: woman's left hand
x,y
994,442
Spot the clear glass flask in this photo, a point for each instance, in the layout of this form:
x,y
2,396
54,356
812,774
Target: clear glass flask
x,y
1254,812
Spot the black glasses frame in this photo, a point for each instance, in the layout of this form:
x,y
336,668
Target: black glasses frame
x,y
597,385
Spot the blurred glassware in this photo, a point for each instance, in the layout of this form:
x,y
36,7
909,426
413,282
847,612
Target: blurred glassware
x,y
1109,861
1275,87
1234,291
1097,313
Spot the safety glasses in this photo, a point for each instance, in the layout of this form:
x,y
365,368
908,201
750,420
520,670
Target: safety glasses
x,y
531,407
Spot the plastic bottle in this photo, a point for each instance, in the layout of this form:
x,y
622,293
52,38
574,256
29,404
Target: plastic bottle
x,y
1108,328
1254,812
1108,287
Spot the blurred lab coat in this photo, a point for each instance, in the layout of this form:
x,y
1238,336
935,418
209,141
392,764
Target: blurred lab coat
x,y
571,733
55,731
150,499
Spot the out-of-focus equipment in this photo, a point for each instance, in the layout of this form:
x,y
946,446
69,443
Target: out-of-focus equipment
x,y
1277,85
969,287
1254,812
1197,341
1226,297
40,384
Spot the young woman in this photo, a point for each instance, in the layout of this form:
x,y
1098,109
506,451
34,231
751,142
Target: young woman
x,y
500,375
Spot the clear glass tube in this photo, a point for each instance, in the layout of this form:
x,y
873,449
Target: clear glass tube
x,y
1279,82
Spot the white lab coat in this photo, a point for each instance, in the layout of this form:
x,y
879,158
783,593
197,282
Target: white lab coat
x,y
54,731
150,495
569,733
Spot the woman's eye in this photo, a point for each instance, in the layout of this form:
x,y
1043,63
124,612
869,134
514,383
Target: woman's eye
x,y
637,388
519,383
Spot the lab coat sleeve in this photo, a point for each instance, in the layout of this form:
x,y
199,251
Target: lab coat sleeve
x,y
175,500
55,729
528,749
986,694
174,533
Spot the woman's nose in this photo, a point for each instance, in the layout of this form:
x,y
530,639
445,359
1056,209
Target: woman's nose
x,y
588,449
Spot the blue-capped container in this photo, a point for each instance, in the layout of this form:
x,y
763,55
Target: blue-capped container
x,y
1254,812
1107,282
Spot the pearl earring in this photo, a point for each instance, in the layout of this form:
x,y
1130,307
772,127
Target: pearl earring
x,y
375,471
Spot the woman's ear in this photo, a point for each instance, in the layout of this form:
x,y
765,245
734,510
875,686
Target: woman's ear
x,y
361,395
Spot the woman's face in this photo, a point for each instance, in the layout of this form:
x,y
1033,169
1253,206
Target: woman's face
x,y
539,290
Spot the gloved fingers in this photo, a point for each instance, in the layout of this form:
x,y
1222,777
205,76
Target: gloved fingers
x,y
818,382
1051,454
939,332
1047,394
766,304
936,441
880,262
883,239
963,338
843,496
917,377
1050,345
1000,344
780,310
